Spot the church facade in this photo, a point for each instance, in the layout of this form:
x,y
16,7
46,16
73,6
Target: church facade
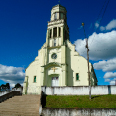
x,y
57,63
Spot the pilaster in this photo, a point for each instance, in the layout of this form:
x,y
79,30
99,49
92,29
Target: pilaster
x,y
25,85
64,75
57,31
62,35
41,82
52,33
47,37
63,54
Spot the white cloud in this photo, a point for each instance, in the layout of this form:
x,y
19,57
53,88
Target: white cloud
x,y
96,25
12,75
112,82
109,26
102,46
109,65
107,80
102,28
110,75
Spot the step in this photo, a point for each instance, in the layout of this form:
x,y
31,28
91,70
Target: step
x,y
17,110
14,102
28,106
21,107
18,114
23,103
23,100
20,110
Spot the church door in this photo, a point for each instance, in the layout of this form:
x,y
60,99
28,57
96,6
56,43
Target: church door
x,y
55,81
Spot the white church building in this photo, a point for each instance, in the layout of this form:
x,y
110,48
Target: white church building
x,y
57,63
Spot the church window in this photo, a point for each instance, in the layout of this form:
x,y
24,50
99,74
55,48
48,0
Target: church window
x,y
59,31
77,76
65,35
59,15
54,56
34,78
55,16
55,32
63,16
50,33
54,42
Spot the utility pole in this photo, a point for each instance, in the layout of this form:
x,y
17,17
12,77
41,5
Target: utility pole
x,y
88,63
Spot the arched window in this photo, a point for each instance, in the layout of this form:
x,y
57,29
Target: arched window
x,y
55,16
55,32
34,78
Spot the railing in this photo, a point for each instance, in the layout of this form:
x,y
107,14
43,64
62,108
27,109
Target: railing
x,y
9,95
4,92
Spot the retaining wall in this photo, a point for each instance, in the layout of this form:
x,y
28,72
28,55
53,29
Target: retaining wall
x,y
78,112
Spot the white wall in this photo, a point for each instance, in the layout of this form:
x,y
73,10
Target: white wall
x,y
80,90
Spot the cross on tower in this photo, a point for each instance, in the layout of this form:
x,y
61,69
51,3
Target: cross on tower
x,y
59,1
53,68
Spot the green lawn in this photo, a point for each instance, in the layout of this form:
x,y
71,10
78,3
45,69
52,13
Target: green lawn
x,y
74,101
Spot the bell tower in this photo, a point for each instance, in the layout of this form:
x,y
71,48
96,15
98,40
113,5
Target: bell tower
x,y
57,31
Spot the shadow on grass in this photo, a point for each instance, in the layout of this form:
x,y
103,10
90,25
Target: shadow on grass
x,y
96,96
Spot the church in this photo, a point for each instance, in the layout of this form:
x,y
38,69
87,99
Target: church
x,y
58,63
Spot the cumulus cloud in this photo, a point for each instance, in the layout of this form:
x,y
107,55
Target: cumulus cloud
x,y
102,28
12,75
113,82
96,25
110,75
102,46
107,80
109,65
109,26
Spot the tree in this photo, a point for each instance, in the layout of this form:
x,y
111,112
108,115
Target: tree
x,y
3,87
17,85
7,86
0,88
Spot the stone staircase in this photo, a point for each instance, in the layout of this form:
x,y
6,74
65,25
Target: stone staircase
x,y
25,105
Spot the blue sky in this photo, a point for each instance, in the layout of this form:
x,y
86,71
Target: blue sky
x,y
23,27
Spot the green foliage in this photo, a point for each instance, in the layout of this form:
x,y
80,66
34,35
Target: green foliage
x,y
5,87
17,85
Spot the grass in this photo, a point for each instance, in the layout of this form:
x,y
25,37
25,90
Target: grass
x,y
81,101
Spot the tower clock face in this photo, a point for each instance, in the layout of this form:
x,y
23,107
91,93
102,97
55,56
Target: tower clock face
x,y
54,56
